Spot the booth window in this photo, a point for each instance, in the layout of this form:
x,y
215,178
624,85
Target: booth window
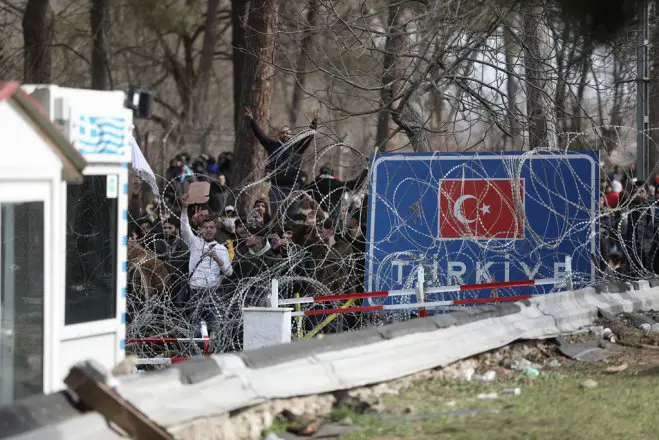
x,y
91,252
21,300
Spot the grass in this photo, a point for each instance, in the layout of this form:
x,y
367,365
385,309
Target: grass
x,y
552,406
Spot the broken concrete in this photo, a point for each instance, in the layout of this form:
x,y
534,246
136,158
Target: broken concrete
x,y
588,351
252,422
237,396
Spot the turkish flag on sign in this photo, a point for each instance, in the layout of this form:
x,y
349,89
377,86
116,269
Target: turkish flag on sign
x,y
481,209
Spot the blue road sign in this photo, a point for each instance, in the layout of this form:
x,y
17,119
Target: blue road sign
x,y
478,218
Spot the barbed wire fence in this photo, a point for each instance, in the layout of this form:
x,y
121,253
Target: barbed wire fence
x,y
448,80
323,257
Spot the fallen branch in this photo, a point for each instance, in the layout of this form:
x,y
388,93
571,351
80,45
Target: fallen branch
x,y
638,345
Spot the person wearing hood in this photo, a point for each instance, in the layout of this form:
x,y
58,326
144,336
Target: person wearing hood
x,y
177,253
284,159
255,256
328,191
258,217
641,229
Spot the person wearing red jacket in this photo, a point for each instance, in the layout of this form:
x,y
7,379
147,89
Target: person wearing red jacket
x,y
612,197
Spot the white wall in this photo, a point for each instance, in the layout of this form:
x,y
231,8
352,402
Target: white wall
x,y
103,340
27,160
24,154
26,157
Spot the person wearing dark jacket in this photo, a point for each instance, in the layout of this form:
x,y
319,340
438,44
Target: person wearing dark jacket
x,y
641,229
220,195
328,192
284,159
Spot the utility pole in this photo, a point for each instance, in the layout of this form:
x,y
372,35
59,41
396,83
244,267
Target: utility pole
x,y
642,92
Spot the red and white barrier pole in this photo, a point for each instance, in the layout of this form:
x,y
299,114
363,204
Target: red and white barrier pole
x,y
420,294
162,361
163,340
204,336
205,339
274,294
568,272
420,306
408,292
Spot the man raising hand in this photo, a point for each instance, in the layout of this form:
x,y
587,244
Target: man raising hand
x,y
284,158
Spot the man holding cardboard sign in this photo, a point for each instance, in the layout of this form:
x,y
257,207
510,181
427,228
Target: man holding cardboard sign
x,y
209,260
198,193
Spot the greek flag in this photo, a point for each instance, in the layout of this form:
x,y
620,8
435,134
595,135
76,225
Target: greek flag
x,y
101,135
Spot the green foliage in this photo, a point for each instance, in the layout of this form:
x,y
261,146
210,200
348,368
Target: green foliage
x,y
340,413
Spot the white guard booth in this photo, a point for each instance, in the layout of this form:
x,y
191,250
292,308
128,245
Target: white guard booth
x,y
37,163
93,284
84,304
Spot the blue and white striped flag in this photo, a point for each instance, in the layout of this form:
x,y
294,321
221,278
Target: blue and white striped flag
x,y
101,135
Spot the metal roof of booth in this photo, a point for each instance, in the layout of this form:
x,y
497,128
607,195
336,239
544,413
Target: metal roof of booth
x,y
72,161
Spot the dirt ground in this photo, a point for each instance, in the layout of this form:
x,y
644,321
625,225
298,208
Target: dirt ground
x,y
559,397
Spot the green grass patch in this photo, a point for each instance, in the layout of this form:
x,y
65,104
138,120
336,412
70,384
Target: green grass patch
x,y
552,406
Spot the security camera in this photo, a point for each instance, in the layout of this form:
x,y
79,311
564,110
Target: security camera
x,y
140,101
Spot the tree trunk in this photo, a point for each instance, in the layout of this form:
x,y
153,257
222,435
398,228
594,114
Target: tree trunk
x,y
512,53
565,61
389,74
100,24
203,77
654,100
38,34
256,93
414,116
198,120
577,106
301,64
238,17
540,88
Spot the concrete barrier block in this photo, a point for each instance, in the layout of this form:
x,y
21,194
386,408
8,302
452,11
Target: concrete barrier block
x,y
198,370
265,326
613,287
300,378
640,284
354,359
229,362
91,425
419,325
444,321
273,355
504,309
155,383
214,396
570,311
34,412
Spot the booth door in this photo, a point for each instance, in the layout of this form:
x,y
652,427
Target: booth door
x,y
22,265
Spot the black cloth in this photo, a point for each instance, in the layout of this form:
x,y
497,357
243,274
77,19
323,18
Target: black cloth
x,y
283,161
220,197
328,191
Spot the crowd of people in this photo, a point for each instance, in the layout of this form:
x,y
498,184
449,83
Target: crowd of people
x,y
205,261
629,225
194,262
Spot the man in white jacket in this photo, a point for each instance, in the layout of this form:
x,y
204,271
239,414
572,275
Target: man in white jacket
x,y
209,265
